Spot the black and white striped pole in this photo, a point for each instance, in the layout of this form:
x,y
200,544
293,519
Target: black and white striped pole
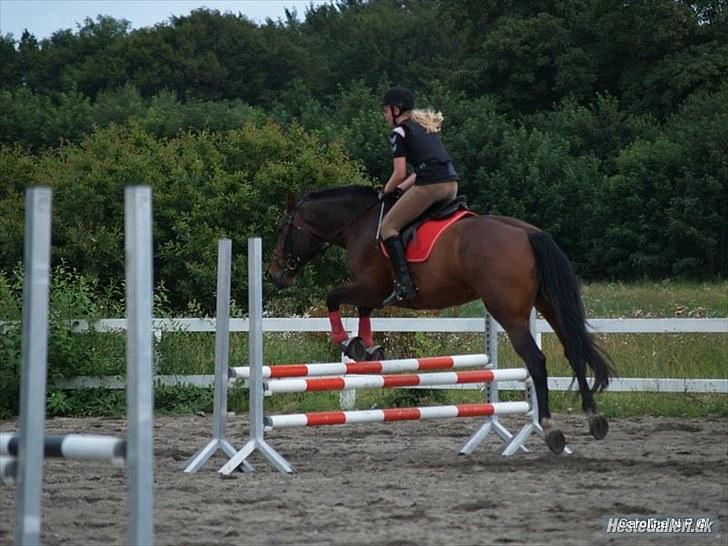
x,y
71,446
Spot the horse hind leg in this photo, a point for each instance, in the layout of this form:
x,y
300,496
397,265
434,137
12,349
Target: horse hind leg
x,y
598,425
535,361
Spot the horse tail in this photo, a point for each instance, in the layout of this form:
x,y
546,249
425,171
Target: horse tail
x,y
560,287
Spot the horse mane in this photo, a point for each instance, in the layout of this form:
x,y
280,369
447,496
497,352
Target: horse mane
x,y
341,191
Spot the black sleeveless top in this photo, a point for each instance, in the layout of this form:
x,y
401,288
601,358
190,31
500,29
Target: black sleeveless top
x,y
424,151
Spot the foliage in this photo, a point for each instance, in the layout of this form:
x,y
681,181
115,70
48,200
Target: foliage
x,y
601,122
205,185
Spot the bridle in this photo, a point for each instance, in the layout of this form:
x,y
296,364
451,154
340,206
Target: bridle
x,y
291,221
289,261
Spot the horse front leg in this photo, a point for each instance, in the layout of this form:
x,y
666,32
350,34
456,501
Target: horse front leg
x,y
362,346
373,352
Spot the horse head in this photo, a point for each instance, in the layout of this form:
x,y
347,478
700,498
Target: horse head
x,y
323,217
298,242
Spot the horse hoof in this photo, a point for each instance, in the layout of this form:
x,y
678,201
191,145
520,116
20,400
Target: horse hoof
x,y
556,441
375,352
598,426
354,349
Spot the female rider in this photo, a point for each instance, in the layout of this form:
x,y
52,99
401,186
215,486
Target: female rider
x,y
413,140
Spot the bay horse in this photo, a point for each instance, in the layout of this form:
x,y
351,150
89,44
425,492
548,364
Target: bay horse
x,y
509,264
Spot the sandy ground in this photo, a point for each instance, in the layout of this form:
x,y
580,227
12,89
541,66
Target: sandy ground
x,y
394,484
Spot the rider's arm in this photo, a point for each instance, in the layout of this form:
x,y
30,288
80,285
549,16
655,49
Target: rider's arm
x,y
399,174
408,183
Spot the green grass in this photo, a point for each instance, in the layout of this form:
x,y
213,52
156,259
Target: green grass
x,y
635,355
645,299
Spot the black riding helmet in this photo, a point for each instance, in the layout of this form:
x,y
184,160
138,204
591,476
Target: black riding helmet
x,y
400,97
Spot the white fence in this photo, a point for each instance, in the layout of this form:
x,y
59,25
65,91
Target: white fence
x,y
458,325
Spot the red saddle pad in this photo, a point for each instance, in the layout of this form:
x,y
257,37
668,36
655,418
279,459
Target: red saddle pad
x,y
421,245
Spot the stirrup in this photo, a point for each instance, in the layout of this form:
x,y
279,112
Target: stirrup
x,y
400,293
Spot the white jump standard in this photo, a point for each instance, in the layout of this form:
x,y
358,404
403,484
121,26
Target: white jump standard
x,y
255,309
222,350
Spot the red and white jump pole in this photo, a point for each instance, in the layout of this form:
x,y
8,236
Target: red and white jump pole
x,y
366,367
395,414
393,381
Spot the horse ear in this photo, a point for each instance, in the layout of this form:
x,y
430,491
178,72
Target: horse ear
x,y
290,200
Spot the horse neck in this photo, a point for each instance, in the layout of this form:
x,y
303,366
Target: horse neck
x,y
336,220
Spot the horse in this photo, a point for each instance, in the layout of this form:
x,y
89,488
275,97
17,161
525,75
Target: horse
x,y
507,263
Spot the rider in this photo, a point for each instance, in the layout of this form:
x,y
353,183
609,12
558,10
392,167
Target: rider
x,y
413,140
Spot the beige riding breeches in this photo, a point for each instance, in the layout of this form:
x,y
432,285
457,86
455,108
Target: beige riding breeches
x,y
413,203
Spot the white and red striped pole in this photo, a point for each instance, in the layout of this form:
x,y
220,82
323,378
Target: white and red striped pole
x,y
395,414
366,367
393,381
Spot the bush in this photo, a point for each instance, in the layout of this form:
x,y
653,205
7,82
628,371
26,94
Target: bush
x,y
205,186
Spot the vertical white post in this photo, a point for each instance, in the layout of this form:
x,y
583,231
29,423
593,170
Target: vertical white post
x,y
139,357
347,398
255,347
491,348
35,363
222,352
535,331
222,336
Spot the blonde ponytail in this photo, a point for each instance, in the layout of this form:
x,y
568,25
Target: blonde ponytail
x,y
429,119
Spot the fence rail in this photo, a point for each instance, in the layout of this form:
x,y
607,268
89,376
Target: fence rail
x,y
457,325
599,326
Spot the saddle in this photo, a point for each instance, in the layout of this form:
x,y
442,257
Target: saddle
x,y
420,235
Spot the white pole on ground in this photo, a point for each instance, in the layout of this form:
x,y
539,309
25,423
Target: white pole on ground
x,y
35,364
139,360
255,385
222,354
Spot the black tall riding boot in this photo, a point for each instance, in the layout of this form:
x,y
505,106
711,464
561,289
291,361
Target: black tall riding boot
x,y
403,286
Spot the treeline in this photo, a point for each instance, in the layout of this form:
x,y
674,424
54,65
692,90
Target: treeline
x,y
605,123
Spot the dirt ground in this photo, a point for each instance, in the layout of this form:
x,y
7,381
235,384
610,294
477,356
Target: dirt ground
x,y
394,484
